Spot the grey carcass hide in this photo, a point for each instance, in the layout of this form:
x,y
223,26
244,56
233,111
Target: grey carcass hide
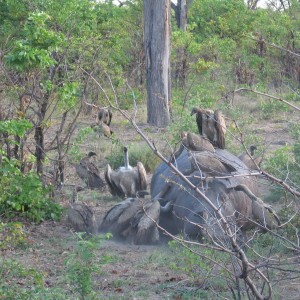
x,y
189,212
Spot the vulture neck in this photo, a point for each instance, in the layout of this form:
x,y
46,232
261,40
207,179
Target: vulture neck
x,y
126,160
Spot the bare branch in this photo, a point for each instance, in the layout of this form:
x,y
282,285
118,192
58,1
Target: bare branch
x,y
277,47
267,95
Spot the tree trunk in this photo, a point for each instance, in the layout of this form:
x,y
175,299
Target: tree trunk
x,y
181,66
39,128
157,51
39,138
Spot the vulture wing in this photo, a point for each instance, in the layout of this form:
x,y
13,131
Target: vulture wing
x,y
142,176
110,178
145,223
221,128
118,217
109,117
198,112
196,142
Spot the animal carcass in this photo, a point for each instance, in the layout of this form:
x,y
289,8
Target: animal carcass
x,y
217,175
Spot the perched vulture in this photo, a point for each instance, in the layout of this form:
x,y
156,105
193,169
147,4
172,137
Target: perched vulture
x,y
102,128
89,173
105,116
210,164
126,181
134,219
193,142
262,212
196,142
251,161
211,125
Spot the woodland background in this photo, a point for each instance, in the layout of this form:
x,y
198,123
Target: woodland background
x,y
61,60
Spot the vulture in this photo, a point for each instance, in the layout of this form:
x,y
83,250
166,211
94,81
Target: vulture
x,y
102,128
251,161
262,212
127,181
211,125
133,219
193,142
89,173
210,164
82,218
105,116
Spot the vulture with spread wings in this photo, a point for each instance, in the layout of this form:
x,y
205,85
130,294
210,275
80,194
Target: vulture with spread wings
x,y
126,181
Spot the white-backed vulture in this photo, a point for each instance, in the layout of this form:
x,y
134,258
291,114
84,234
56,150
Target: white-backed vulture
x,y
102,128
211,125
262,212
82,218
197,142
210,164
126,181
105,116
134,219
89,173
251,161
193,142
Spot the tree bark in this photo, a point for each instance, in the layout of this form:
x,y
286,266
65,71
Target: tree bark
x,y
157,51
181,66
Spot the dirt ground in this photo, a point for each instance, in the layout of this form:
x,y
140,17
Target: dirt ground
x,y
134,272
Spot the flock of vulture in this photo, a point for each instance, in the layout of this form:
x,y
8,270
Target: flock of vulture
x,y
214,181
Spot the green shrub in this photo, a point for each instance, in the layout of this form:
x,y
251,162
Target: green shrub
x,y
292,217
12,235
82,264
272,108
81,138
24,194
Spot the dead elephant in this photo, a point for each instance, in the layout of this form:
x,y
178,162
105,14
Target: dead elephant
x,y
224,179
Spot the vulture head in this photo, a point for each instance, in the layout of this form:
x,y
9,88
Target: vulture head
x,y
250,160
89,173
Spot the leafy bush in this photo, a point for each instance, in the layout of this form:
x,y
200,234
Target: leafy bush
x,y
12,235
24,194
81,264
292,217
272,108
202,266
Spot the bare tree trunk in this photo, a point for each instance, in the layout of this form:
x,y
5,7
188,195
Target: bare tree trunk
x,y
157,51
252,4
39,138
181,19
39,128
